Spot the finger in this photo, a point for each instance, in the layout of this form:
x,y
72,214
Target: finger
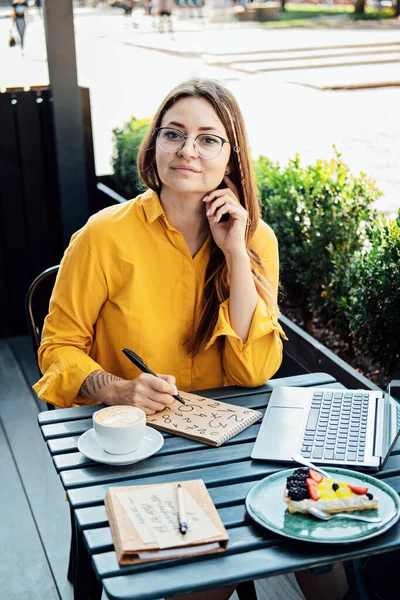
x,y
148,411
165,399
218,193
221,211
237,212
151,404
215,204
158,384
169,378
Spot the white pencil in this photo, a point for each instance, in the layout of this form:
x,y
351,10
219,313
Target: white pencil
x,y
181,509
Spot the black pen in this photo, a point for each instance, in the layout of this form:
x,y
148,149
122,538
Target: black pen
x,y
135,358
181,510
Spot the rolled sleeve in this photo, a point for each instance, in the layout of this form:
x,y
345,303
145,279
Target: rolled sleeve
x,y
253,362
62,381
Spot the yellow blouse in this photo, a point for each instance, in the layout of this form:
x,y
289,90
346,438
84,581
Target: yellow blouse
x,y
128,279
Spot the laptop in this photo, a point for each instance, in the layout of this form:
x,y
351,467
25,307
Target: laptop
x,y
349,428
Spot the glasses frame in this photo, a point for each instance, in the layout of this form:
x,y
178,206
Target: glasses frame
x,y
185,137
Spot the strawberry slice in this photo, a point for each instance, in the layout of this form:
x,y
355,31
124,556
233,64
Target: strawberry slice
x,y
312,487
315,475
356,489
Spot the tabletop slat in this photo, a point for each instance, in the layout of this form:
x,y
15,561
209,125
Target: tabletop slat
x,y
175,444
285,556
69,428
240,540
63,445
161,465
66,428
212,477
223,496
72,459
100,539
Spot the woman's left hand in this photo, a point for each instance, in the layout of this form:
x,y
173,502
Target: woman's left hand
x,y
228,235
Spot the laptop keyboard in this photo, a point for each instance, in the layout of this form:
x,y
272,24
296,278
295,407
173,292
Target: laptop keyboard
x,y
336,426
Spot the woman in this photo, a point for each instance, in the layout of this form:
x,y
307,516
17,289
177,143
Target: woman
x,y
186,275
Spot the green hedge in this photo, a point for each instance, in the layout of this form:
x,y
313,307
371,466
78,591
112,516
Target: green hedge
x,y
317,213
339,261
127,141
372,300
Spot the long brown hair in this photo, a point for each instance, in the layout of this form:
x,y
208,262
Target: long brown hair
x,y
216,287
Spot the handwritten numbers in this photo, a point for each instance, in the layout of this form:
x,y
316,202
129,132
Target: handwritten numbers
x,y
215,423
236,418
188,407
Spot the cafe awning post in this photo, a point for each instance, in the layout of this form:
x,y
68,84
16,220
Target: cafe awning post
x,y
67,114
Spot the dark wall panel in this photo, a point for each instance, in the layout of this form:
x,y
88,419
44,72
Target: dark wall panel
x,y
33,178
31,236
13,218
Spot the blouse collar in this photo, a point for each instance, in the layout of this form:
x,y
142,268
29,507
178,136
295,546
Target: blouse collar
x,y
152,205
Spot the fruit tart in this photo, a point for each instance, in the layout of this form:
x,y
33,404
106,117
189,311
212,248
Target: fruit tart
x,y
307,488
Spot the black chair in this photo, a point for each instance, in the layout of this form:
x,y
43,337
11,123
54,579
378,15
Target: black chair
x,y
37,306
37,303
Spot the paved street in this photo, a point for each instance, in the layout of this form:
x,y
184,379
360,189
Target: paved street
x,y
290,83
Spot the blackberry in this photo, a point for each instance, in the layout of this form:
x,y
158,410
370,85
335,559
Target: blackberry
x,y
298,493
302,471
300,475
296,485
370,496
335,487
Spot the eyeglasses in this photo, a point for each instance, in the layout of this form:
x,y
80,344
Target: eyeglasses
x,y
207,145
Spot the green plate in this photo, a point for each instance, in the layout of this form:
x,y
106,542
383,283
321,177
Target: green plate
x,y
265,504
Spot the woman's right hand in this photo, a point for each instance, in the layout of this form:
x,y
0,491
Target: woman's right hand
x,y
147,392
151,394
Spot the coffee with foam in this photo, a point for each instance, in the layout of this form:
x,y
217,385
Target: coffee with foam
x,y
119,429
118,416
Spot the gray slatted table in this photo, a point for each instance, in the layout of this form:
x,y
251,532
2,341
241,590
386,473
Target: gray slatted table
x,y
228,472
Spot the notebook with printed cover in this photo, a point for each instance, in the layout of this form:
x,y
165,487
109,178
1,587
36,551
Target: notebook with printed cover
x,y
203,419
144,522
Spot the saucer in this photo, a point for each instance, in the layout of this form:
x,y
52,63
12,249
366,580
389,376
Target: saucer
x,y
150,443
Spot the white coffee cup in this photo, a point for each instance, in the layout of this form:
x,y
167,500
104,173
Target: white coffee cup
x,y
119,429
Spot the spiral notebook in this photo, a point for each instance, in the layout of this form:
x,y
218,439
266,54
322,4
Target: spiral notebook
x,y
203,419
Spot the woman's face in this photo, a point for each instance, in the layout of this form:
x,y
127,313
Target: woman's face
x,y
185,171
